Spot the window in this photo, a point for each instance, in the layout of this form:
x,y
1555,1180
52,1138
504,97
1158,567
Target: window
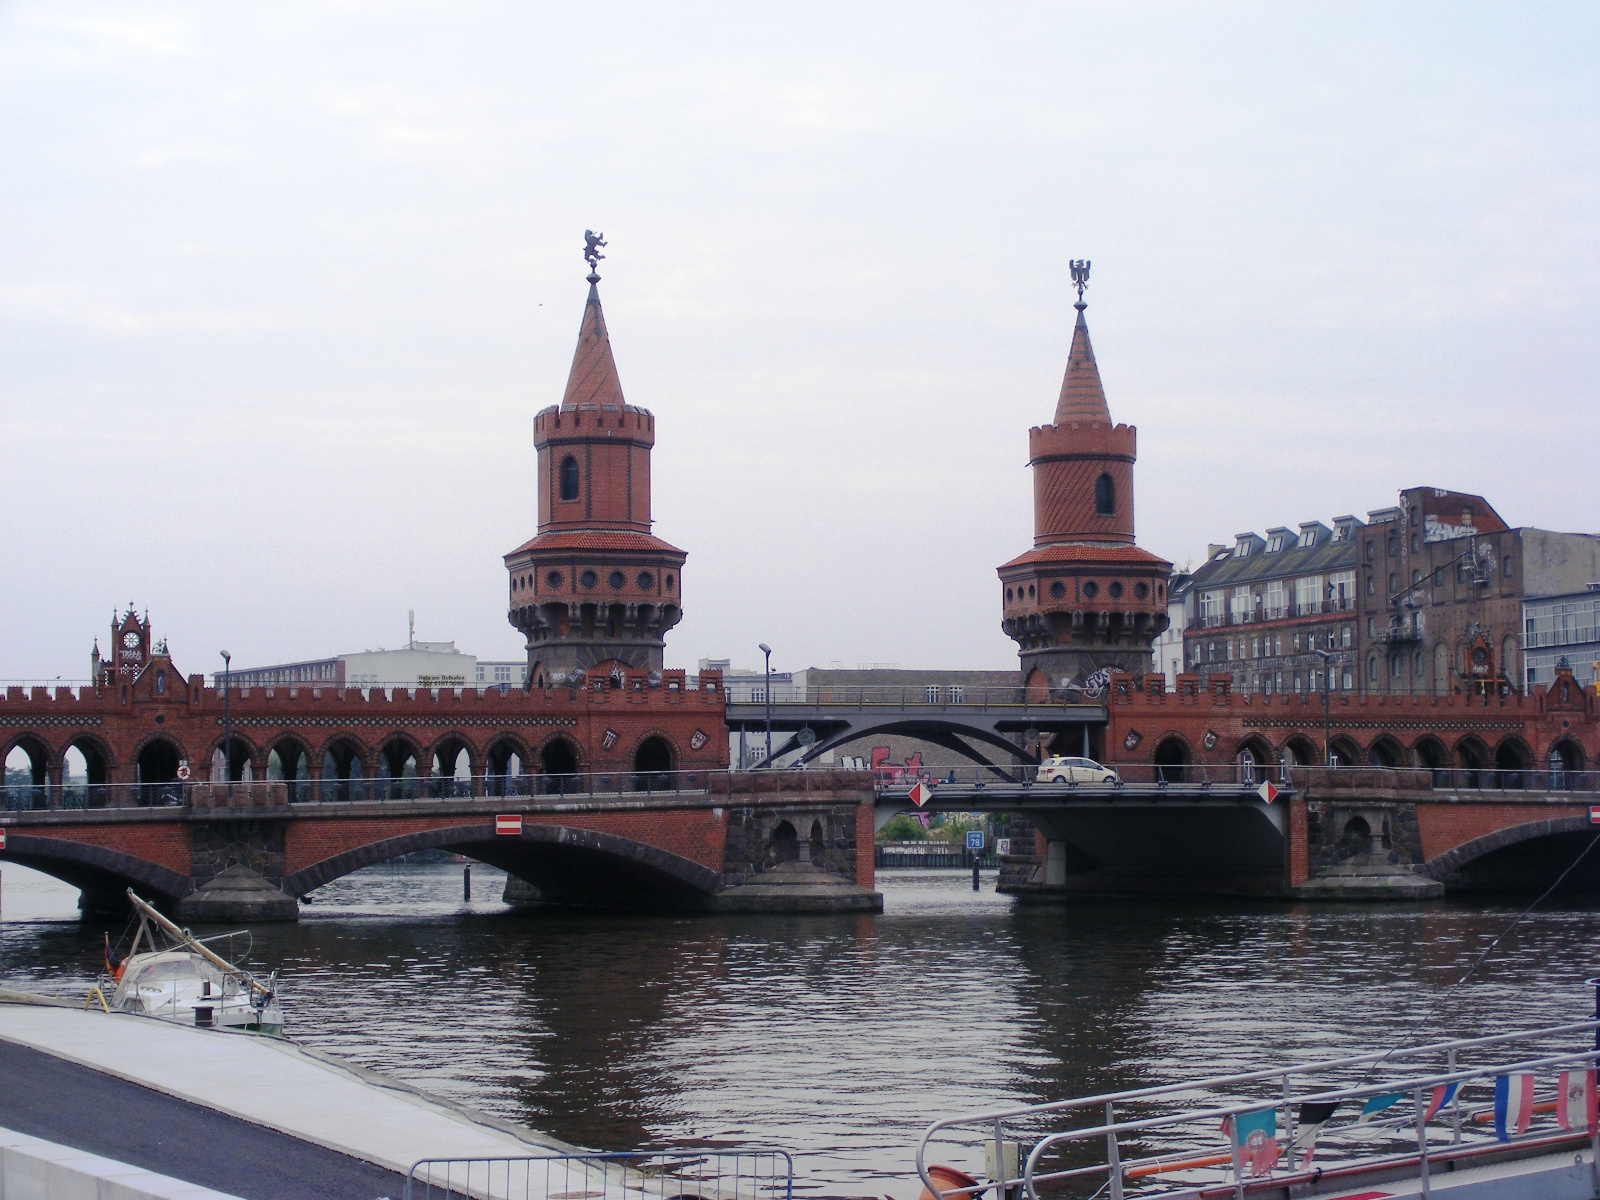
x,y
1394,583
1348,681
1394,667
1372,586
1275,543
553,579
1297,643
1416,578
1230,650
1342,590
1372,669
646,581
1058,589
1416,544
1210,608
1255,647
1277,600
1277,643
588,579
931,694
617,579
502,674
1105,497
1345,636
1506,567
569,478
1416,665
958,694
1438,577
1312,678
1239,605
1242,548
1371,550
1308,594
1211,652
1372,627
1308,538
1297,681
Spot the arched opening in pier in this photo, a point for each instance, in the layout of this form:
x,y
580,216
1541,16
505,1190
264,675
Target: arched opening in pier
x,y
1344,752
503,767
343,772
397,770
652,764
1511,762
1356,837
1300,751
785,843
156,772
231,762
450,768
1254,759
1565,761
558,766
1171,760
819,843
1384,752
1472,758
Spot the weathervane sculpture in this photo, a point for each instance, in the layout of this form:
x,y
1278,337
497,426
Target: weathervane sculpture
x,y
1080,278
592,242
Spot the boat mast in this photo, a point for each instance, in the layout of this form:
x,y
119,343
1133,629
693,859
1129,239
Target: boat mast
x,y
147,911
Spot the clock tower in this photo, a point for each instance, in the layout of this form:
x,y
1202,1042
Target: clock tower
x,y
131,647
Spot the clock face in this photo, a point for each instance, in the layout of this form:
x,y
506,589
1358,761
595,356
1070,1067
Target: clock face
x,y
130,640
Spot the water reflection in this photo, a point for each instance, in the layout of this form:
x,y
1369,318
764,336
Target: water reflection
x,y
840,1039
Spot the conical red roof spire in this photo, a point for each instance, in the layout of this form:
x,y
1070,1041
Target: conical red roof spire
x,y
593,378
1083,399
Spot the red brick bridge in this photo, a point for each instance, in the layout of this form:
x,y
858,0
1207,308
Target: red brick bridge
x,y
685,848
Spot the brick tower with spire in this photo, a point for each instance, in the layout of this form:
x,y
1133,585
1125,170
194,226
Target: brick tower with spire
x,y
1085,597
594,592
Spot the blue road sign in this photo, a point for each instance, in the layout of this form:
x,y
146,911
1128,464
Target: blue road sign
x,y
974,839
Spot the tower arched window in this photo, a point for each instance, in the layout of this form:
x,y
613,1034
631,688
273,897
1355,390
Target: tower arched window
x,y
1105,496
569,478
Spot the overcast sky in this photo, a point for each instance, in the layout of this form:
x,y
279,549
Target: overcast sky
x,y
282,286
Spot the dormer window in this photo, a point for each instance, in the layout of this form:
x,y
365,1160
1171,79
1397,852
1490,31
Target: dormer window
x,y
1308,539
1241,550
1275,543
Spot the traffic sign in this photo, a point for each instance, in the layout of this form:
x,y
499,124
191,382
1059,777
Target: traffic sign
x,y
974,839
2,838
1002,846
920,794
183,771
1267,792
508,826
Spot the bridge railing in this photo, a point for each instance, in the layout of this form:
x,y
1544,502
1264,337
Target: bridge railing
x,y
745,1174
957,696
619,784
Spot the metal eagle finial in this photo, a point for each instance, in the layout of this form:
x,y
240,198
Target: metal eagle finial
x,y
592,242
1080,277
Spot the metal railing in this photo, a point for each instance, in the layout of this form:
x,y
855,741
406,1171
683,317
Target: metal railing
x,y
907,696
675,1175
619,784
1438,1108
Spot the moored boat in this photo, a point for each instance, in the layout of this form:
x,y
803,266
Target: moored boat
x,y
179,978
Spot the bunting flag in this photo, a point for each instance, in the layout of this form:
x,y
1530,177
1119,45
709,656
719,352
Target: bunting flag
x,y
1376,1105
1308,1126
1442,1095
1575,1100
1256,1135
1513,1104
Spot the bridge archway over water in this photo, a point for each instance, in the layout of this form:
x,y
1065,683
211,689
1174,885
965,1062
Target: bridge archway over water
x,y
1523,859
102,875
582,867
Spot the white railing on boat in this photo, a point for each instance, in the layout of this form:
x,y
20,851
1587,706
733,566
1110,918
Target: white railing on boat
x,y
1169,1140
747,1174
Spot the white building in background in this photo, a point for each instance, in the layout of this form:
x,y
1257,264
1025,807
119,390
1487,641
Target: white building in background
x,y
1167,652
416,665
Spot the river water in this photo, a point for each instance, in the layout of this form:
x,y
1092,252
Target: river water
x,y
840,1038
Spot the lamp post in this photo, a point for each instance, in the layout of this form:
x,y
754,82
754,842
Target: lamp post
x,y
227,723
1327,669
767,650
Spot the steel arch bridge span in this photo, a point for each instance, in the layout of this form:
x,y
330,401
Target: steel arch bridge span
x,y
944,725
573,866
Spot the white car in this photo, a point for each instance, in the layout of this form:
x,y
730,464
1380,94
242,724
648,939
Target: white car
x,y
1074,770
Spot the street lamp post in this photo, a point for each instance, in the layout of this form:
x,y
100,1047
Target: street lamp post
x,y
227,723
1327,670
767,650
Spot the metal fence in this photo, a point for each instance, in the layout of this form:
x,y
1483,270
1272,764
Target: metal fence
x,y
675,1175
1433,1106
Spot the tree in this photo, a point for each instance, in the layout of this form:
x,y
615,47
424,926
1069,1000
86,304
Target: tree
x,y
902,828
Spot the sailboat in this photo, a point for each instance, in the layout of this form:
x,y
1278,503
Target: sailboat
x,y
179,978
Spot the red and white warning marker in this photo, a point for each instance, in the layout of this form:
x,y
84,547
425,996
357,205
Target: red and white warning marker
x,y
920,794
1267,792
2,838
1594,816
508,826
